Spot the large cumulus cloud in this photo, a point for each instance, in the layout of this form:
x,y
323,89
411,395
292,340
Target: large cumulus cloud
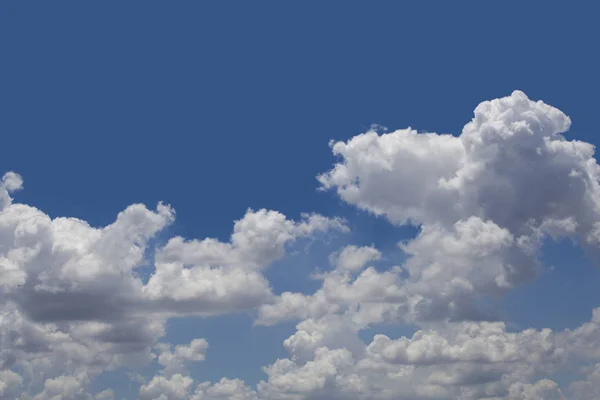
x,y
484,202
75,303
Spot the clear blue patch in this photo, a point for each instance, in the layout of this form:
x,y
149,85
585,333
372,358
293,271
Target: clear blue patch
x,y
563,296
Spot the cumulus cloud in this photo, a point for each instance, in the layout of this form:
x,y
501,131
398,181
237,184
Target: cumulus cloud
x,y
75,306
462,360
485,201
510,164
174,360
511,167
11,182
353,258
225,389
162,388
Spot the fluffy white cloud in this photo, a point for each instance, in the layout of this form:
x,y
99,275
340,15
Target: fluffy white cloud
x,y
208,276
510,164
466,360
225,389
510,168
65,388
10,182
175,360
353,258
161,388
75,303
484,202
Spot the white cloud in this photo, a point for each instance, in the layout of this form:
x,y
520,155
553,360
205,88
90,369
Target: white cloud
x,y
509,162
74,304
466,360
11,182
65,388
353,258
161,388
510,167
175,360
208,276
225,389
484,202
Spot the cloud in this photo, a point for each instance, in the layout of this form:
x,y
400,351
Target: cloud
x,y
162,388
484,202
225,389
74,303
210,277
511,167
589,388
353,258
11,182
174,360
10,384
510,162
466,360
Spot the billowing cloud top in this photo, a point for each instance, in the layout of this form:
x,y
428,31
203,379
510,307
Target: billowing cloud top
x,y
75,304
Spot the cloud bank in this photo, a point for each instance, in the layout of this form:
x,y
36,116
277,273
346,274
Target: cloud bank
x,y
74,304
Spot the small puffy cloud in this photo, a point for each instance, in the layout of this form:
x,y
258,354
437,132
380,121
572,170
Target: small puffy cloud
x,y
543,389
105,395
175,360
258,239
353,258
484,342
161,388
12,181
225,389
65,388
210,277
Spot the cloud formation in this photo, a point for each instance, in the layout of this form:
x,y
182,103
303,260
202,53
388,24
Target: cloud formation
x,y
484,202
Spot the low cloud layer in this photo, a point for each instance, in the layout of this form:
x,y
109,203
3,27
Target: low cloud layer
x,y
484,203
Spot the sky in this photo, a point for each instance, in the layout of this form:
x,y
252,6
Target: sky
x,y
299,200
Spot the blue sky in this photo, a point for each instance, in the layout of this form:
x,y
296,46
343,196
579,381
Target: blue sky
x,y
218,107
